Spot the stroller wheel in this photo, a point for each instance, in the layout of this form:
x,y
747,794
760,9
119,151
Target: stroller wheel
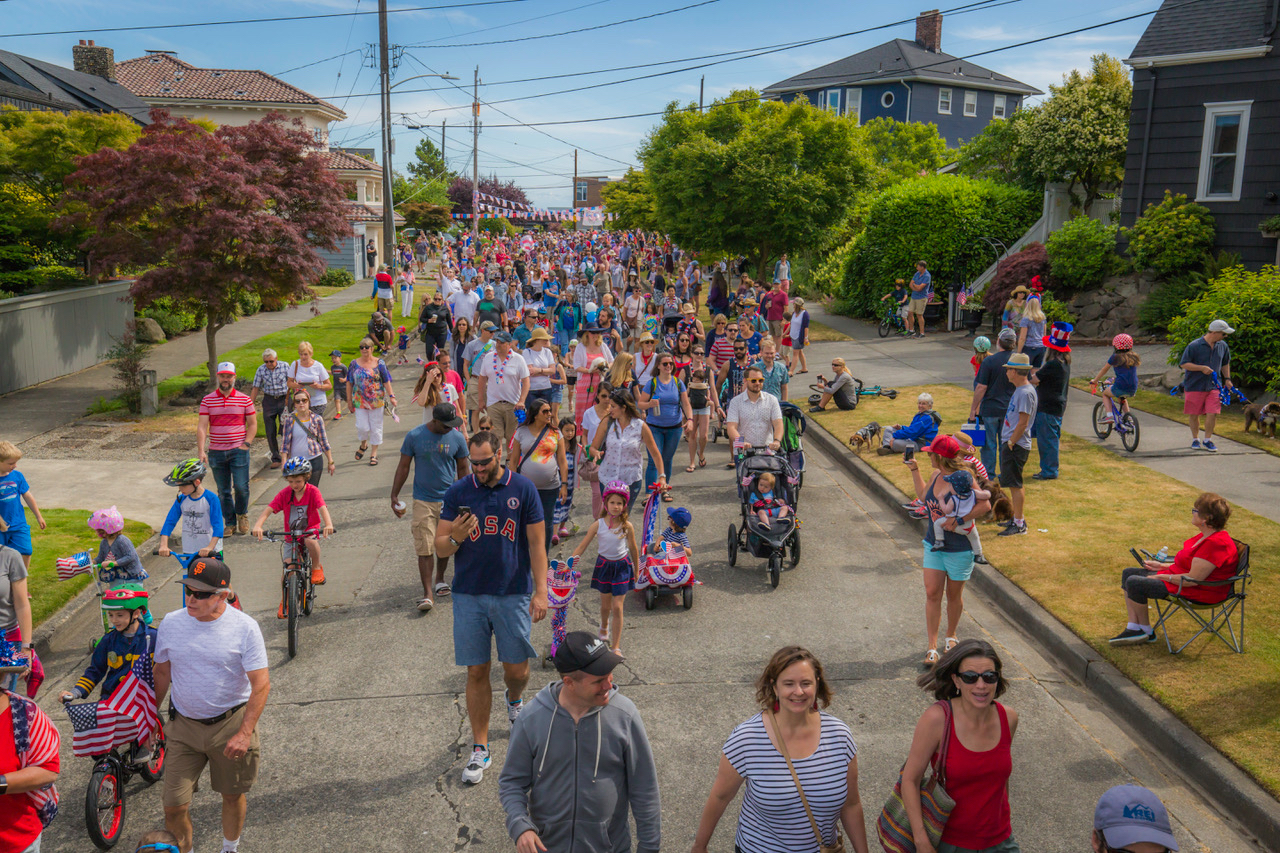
x,y
733,545
775,568
795,549
650,597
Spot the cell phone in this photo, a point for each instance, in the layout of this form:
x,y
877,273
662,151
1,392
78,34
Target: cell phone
x,y
464,510
908,454
1136,555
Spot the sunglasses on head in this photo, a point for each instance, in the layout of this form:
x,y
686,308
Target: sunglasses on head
x,y
988,677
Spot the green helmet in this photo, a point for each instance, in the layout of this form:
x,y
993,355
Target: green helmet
x,y
125,596
186,472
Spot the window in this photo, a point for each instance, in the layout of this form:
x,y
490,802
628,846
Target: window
x,y
944,102
886,100
971,103
580,192
998,109
853,104
1226,133
832,100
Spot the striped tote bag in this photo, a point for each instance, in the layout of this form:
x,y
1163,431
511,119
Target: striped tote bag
x,y
894,827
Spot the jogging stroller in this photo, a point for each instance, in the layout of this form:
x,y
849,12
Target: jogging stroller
x,y
794,426
666,572
781,539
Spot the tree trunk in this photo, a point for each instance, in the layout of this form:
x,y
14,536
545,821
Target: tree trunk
x,y
211,330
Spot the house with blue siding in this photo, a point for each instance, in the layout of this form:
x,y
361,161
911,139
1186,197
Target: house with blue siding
x,y
911,81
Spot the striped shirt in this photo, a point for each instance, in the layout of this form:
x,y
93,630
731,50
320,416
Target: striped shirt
x,y
977,465
227,414
772,818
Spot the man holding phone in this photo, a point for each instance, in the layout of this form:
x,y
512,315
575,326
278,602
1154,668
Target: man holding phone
x,y
493,521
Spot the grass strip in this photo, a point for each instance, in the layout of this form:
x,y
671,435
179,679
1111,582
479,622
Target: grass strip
x,y
1082,526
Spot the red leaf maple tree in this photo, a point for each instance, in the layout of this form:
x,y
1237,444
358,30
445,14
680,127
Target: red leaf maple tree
x,y
211,216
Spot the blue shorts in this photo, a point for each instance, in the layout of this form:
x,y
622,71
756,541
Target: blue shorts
x,y
957,564
18,538
506,618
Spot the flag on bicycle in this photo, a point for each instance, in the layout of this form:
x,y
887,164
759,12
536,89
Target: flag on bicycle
x,y
77,564
36,743
128,714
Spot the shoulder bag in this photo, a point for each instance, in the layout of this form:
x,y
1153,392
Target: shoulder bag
x,y
893,827
838,847
532,447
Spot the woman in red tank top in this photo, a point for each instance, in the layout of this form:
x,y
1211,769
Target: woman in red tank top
x,y
978,733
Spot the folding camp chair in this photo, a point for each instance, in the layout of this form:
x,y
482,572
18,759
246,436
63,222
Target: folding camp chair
x,y
1214,618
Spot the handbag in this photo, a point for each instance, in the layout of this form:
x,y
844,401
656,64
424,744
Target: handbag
x,y
893,827
838,847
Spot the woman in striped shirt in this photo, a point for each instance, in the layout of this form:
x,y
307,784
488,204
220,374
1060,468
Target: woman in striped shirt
x,y
773,819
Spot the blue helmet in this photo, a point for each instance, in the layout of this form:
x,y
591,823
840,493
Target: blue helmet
x,y
297,467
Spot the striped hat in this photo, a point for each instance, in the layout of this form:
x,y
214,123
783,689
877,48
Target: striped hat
x,y
1058,336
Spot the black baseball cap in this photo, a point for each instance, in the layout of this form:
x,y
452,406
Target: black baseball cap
x,y
446,414
207,574
584,652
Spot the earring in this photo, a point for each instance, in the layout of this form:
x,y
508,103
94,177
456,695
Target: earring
x,y
815,704
776,706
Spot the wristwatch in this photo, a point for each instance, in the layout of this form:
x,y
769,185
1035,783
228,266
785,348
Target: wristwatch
x,y
4,785
456,543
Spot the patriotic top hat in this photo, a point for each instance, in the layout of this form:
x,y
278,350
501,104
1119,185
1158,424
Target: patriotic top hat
x,y
1058,336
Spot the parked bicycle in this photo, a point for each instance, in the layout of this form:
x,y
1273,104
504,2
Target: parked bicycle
x,y
1118,418
297,591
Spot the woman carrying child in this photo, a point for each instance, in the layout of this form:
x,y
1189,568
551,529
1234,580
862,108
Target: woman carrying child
x,y
617,556
1125,361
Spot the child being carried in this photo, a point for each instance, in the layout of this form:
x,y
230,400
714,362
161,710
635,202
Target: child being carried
x,y
963,498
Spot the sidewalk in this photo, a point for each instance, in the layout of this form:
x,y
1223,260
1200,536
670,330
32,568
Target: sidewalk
x,y
1245,476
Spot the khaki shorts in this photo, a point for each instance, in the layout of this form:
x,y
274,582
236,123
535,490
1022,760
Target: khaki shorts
x,y
916,306
385,306
189,746
426,517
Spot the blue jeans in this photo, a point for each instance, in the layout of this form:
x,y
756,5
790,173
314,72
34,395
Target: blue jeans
x,y
668,441
231,472
1048,433
991,449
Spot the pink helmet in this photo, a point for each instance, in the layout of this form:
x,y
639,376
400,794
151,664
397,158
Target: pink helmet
x,y
1122,341
108,520
615,487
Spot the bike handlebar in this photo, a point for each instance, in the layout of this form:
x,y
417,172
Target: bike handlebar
x,y
270,535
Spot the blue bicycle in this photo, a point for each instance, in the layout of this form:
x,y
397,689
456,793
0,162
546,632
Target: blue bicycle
x,y
892,320
1118,418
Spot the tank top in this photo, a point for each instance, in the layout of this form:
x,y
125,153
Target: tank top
x,y
979,783
612,544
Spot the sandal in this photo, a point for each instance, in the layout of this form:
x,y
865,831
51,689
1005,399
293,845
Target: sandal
x,y
951,644
360,451
690,469
702,462
373,460
441,589
666,496
931,657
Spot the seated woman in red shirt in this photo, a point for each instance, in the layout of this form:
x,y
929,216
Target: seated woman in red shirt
x,y
1210,555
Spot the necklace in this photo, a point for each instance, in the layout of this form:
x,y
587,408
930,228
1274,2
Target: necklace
x,y
500,369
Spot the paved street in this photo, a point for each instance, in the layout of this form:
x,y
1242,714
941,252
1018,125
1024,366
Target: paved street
x,y
364,736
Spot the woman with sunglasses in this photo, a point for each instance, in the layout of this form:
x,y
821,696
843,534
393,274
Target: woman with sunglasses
x,y
590,359
665,401
624,437
976,733
368,390
303,435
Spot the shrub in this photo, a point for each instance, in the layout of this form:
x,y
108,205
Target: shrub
x,y
248,304
1171,237
941,219
828,275
1081,253
128,357
1055,310
1017,269
336,277
1164,304
1270,226
172,320
1249,301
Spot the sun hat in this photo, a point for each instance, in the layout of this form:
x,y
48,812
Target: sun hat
x,y
539,334
945,446
1131,814
1019,361
1058,336
646,338
1221,326
488,326
1019,289
687,308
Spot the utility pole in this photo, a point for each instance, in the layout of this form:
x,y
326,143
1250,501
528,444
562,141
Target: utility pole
x,y
443,159
384,77
701,86
574,204
475,161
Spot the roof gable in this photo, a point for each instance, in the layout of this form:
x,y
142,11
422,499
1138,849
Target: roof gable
x,y
336,158
160,75
1180,27
900,59
74,89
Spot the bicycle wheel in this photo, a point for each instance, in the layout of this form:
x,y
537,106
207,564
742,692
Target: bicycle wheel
x,y
1100,428
885,328
153,770
308,593
292,605
104,807
1129,437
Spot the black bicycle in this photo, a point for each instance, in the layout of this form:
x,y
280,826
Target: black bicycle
x,y
891,322
297,591
104,800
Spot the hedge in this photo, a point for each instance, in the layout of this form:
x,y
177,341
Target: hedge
x,y
1250,303
1081,253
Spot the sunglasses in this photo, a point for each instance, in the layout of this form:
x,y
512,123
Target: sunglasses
x,y
988,677
365,346
199,595
754,381
482,463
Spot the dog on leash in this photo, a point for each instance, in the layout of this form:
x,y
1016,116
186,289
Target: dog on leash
x,y
1264,417
866,437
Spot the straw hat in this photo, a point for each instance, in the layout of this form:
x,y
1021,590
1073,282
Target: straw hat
x,y
539,334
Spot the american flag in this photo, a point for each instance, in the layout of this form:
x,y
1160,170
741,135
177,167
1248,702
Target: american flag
x,y
128,714
76,564
36,742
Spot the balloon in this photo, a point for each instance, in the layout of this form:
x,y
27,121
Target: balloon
x,y
592,308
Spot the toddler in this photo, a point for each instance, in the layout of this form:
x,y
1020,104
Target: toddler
x,y
117,558
402,345
764,503
338,373
964,496
679,520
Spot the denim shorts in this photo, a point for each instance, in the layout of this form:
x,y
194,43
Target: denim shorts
x,y
506,618
957,564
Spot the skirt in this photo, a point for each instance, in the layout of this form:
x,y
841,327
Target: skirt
x,y
614,577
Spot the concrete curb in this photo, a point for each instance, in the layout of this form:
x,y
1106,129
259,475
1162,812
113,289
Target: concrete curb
x,y
1234,792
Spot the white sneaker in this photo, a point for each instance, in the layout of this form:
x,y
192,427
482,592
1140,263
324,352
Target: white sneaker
x,y
478,763
513,711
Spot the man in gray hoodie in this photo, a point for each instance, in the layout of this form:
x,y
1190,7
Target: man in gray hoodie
x,y
579,758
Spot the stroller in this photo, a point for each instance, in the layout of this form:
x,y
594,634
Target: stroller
x,y
794,425
666,572
782,537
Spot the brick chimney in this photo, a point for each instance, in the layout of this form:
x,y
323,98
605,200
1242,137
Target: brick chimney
x,y
88,58
928,31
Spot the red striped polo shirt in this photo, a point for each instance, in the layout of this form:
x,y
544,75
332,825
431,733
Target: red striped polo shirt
x,y
227,414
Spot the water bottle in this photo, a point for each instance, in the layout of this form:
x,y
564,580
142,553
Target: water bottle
x,y
1163,554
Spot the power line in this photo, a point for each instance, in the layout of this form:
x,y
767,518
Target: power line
x,y
523,21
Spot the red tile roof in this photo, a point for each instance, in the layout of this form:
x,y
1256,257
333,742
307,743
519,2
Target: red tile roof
x,y
357,212
336,159
159,75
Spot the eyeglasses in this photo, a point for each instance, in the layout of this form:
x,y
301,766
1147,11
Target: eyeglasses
x,y
482,463
1195,511
988,677
200,595
268,361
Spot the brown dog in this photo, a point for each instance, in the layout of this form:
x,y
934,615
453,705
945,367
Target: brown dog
x,y
1264,417
1001,506
866,437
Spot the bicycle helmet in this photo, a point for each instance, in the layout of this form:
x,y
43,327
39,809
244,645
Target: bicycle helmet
x,y
186,472
615,487
1122,342
297,467
107,521
982,343
125,597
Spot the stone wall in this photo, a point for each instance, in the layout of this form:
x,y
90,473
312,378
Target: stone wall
x,y
1113,307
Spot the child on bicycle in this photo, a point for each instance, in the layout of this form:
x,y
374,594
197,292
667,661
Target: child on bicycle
x,y
304,510
764,503
900,296
963,498
617,556
117,558
1125,361
130,637
196,507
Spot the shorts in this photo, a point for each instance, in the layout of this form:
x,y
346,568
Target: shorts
x,y
1201,403
1006,846
189,746
957,564
703,411
426,517
506,618
18,538
916,306
1011,463
613,577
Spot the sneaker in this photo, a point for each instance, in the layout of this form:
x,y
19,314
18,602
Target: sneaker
x,y
280,610
884,451
476,765
337,416
1106,419
1210,446
1132,636
1195,444
919,513
555,538
915,504
513,711
141,754
1014,529
980,560
317,574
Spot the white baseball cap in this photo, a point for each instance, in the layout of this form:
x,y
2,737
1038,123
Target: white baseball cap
x,y
226,367
1221,326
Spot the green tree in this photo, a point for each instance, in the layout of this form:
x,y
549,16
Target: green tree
x,y
38,149
901,150
421,190
997,154
1079,135
428,163
631,199
425,216
751,176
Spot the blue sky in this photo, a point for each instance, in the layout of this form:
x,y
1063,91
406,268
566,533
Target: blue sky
x,y
542,165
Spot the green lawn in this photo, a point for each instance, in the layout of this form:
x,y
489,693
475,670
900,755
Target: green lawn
x,y
1082,526
66,534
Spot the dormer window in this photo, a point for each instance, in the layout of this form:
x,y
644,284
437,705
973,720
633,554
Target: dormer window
x,y
217,74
